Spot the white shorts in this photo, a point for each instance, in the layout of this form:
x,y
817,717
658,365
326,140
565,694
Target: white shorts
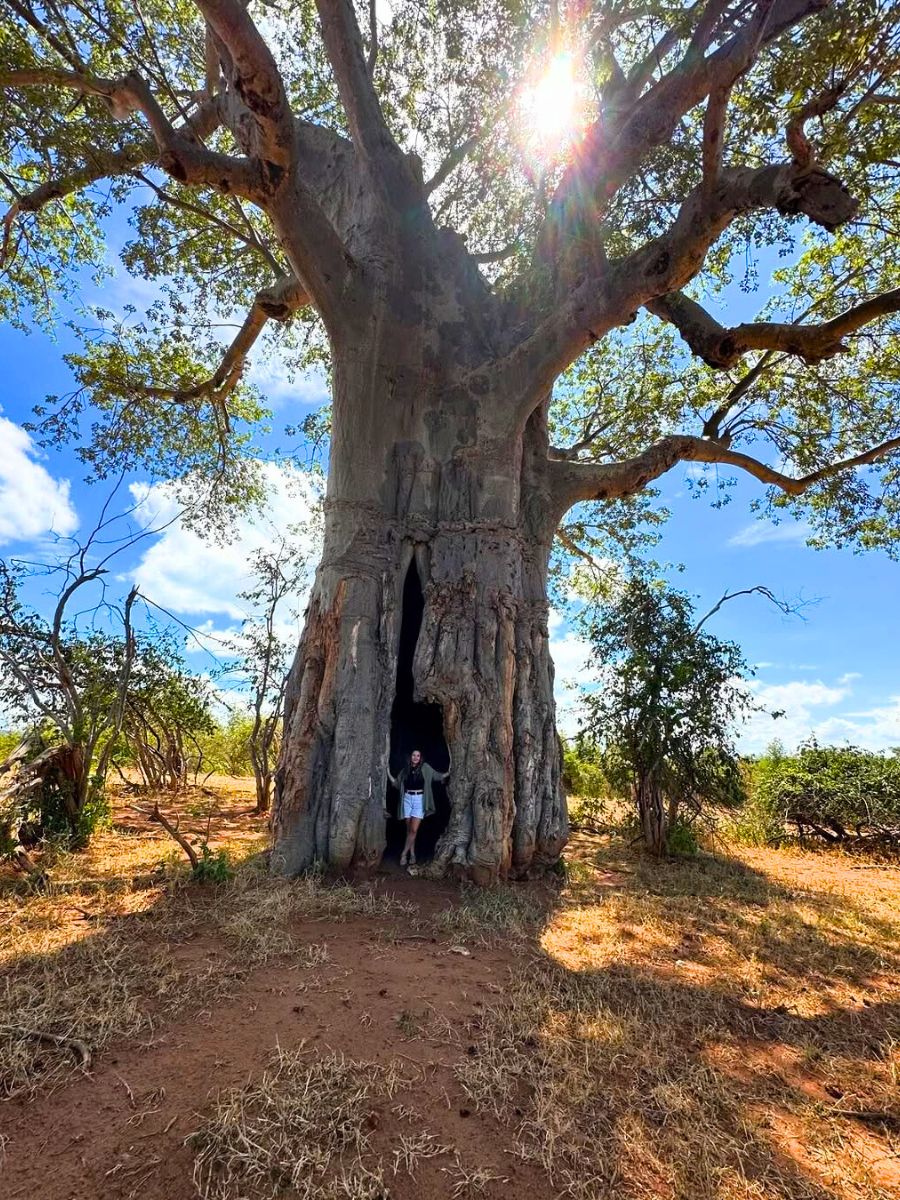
x,y
413,806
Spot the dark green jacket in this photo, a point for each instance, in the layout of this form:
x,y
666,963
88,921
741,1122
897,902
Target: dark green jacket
x,y
429,775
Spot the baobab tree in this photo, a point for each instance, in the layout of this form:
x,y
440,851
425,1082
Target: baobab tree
x,y
476,200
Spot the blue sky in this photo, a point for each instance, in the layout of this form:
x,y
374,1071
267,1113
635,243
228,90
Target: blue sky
x,y
835,669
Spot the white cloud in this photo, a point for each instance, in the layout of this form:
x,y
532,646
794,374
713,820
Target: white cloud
x,y
803,702
32,502
875,728
195,576
570,655
759,532
280,382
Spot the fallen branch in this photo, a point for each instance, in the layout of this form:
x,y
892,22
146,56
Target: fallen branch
x,y
80,1049
172,831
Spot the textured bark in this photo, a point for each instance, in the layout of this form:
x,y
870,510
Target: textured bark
x,y
652,812
424,482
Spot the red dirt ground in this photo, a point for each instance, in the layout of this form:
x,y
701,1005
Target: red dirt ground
x,y
119,1133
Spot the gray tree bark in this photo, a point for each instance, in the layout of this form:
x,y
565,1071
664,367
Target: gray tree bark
x,y
421,477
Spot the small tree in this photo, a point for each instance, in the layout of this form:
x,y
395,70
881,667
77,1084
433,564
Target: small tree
x,y
65,676
167,712
73,685
670,697
279,573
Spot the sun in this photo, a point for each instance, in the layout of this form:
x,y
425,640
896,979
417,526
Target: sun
x,y
552,109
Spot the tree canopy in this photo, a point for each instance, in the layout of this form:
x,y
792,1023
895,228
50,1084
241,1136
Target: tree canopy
x,y
703,139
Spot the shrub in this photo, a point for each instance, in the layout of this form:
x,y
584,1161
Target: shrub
x,y
666,711
832,793
213,866
226,748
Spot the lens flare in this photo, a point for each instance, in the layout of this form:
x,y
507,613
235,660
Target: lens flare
x,y
552,109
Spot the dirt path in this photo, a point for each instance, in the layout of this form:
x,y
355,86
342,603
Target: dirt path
x,y
120,1132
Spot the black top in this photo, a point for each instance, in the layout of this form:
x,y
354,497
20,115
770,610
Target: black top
x,y
414,781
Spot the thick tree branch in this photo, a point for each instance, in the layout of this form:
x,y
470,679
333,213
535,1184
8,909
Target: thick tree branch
x,y
257,81
714,122
104,164
599,301
574,482
612,150
180,152
277,303
456,156
372,56
798,143
721,347
368,128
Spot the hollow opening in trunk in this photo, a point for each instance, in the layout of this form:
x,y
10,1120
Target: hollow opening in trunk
x,y
415,726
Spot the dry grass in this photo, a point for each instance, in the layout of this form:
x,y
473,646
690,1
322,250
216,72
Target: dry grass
x,y
713,1029
416,1147
98,957
484,915
703,1029
467,1181
305,1125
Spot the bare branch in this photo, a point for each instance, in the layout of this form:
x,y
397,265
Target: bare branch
x,y
117,709
705,27
612,150
495,256
174,833
575,482
758,590
721,347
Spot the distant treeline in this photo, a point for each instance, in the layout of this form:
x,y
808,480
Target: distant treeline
x,y
834,795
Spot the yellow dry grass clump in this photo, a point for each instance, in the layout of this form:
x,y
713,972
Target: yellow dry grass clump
x,y
725,1027
716,1027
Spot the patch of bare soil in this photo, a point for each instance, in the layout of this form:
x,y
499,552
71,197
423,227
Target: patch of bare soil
x,y
722,1027
362,989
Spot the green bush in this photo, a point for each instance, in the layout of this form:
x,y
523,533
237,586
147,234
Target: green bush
x,y
683,838
9,740
226,748
213,866
46,809
832,793
586,783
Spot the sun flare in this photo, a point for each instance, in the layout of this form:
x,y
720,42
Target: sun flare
x,y
552,108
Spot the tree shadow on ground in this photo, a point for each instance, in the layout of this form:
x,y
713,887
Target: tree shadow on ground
x,y
701,1029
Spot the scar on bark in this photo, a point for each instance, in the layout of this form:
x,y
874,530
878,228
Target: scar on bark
x,y
415,725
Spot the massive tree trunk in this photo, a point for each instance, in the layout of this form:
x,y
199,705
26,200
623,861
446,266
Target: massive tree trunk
x,y
419,482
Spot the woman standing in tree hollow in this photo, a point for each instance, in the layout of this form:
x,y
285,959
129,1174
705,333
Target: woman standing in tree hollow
x,y
414,782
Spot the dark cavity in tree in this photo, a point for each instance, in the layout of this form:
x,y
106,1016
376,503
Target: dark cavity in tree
x,y
415,726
